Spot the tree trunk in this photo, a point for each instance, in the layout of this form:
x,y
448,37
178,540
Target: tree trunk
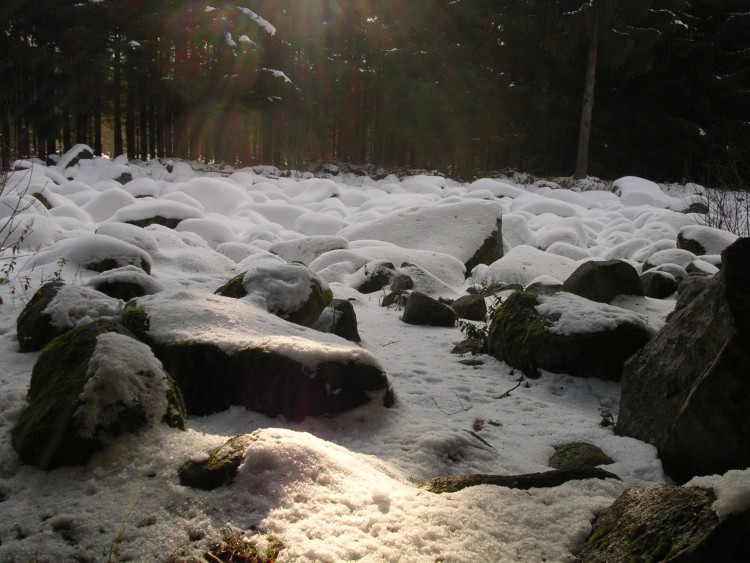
x,y
117,106
582,160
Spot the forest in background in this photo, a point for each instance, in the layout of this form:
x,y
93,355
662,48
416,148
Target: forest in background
x,y
659,88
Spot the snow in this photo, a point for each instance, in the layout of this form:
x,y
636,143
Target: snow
x,y
343,487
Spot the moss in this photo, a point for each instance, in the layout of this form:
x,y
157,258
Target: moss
x,y
233,288
516,330
176,417
490,251
599,534
662,549
33,327
312,308
136,321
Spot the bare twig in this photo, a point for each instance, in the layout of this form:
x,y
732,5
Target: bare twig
x,y
463,408
507,393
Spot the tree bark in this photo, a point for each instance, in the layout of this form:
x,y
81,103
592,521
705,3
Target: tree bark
x,y
582,159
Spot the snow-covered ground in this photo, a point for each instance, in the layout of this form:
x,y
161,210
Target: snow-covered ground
x,y
343,487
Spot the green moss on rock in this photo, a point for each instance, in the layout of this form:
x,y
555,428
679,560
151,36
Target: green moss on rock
x,y
33,326
233,288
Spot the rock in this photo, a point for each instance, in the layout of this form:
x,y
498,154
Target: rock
x,y
56,308
423,310
431,227
470,346
687,391
224,352
674,256
544,479
374,276
657,284
664,523
678,272
125,283
402,282
220,465
97,253
470,307
700,239
564,333
578,455
289,291
395,298
307,249
339,318
124,177
87,387
602,281
74,155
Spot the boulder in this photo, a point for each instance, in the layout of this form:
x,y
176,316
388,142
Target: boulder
x,y
89,386
373,276
470,307
56,308
658,284
219,466
700,239
74,155
339,318
289,291
578,455
224,352
602,281
125,283
665,523
564,333
687,391
307,249
423,310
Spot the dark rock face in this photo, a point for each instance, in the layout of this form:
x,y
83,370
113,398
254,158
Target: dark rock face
x,y
266,382
666,523
658,285
701,239
490,251
521,336
603,281
688,392
423,310
52,431
402,282
339,318
221,466
470,307
34,326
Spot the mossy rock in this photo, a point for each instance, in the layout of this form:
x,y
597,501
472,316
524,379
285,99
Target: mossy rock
x,y
578,454
304,313
522,337
490,251
665,523
68,418
220,466
34,327
266,382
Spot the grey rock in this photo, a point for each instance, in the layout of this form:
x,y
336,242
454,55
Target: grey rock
x,y
658,284
470,307
578,454
602,281
421,309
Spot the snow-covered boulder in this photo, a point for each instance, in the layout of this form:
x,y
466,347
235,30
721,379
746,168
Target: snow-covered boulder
x,y
634,191
565,333
307,249
525,263
289,291
55,308
224,352
658,284
470,231
125,283
88,387
97,253
701,240
687,391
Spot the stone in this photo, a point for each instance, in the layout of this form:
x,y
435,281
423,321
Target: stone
x,y
374,276
395,299
687,391
89,386
339,318
125,283
578,455
289,291
223,352
701,239
658,284
402,282
666,523
526,339
545,479
602,281
220,466
421,309
55,308
470,307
